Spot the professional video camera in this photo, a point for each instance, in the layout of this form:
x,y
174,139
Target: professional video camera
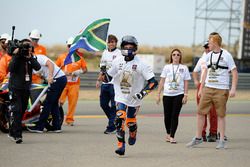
x,y
23,45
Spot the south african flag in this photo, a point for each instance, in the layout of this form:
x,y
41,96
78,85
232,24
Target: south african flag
x,y
93,38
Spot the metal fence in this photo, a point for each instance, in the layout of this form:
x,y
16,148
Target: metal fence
x,y
88,81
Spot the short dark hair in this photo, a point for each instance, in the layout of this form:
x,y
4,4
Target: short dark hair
x,y
112,38
206,45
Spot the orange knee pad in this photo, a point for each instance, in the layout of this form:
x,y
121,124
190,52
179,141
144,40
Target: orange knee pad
x,y
130,120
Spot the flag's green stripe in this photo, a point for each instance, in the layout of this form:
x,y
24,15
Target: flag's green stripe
x,y
94,36
89,29
76,57
94,24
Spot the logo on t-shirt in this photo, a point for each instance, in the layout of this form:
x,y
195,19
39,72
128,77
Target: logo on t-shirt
x,y
120,66
181,70
134,67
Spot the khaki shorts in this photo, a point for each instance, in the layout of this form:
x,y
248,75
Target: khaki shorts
x,y
210,96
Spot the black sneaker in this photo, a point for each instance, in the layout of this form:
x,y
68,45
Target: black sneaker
x,y
19,140
110,131
211,137
121,149
132,138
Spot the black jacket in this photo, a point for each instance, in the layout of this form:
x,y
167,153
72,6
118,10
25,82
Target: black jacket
x,y
17,69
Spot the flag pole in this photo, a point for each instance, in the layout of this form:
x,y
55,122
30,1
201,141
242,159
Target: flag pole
x,y
58,72
38,98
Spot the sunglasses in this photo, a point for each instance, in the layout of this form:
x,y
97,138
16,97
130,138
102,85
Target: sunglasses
x,y
176,54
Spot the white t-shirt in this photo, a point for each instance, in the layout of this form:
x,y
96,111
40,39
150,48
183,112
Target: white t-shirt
x,y
174,75
108,57
218,78
129,78
45,70
197,67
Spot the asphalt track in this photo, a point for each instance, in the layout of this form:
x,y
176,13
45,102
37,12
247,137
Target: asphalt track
x,y
85,145
151,108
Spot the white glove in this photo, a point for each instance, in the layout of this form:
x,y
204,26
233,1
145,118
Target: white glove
x,y
77,72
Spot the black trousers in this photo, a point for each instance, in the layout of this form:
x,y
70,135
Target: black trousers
x,y
172,107
18,104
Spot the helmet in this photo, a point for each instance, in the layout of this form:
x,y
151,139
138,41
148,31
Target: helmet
x,y
129,54
5,36
35,34
128,39
70,41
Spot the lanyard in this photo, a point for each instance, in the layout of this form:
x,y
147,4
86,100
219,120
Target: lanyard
x,y
26,69
174,73
217,63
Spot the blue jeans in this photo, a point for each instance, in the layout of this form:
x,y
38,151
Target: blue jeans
x,y
107,103
51,104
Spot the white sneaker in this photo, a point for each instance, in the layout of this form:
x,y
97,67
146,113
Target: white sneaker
x,y
34,130
11,138
194,142
55,131
221,145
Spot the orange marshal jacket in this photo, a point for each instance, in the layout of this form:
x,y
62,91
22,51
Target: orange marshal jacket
x,y
80,64
41,50
4,63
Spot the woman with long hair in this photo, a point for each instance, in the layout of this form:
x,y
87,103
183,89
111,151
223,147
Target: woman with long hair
x,y
174,83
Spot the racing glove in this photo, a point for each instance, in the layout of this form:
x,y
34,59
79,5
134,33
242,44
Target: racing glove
x,y
140,95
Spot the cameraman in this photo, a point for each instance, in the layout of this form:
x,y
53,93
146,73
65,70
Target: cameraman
x,y
20,68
